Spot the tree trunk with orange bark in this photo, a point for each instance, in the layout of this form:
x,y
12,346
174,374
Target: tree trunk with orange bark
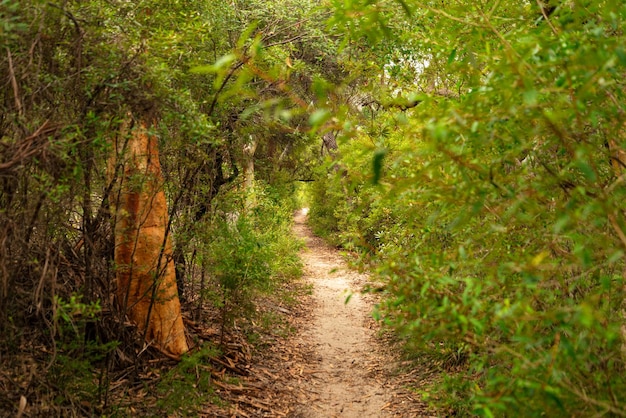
x,y
146,281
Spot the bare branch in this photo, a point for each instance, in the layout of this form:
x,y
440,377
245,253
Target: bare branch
x,y
16,92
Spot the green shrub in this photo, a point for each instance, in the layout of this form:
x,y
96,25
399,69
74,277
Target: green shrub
x,y
80,354
187,386
497,223
250,250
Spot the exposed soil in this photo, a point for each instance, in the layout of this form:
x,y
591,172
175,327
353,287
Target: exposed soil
x,y
336,364
353,372
320,356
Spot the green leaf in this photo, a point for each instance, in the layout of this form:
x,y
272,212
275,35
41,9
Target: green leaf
x,y
616,256
586,315
318,117
405,7
621,55
376,314
452,56
530,97
220,64
586,169
246,34
377,164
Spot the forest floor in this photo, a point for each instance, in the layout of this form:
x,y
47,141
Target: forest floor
x,y
336,363
307,352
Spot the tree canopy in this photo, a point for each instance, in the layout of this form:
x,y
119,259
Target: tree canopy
x,y
473,155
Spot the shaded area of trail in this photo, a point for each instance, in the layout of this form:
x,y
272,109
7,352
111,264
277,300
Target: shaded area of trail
x,y
350,373
334,364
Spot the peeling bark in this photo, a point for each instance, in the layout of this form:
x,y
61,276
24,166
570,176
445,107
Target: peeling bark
x,y
146,279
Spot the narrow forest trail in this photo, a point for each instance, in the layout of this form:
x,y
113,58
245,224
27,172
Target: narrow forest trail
x,y
332,363
352,376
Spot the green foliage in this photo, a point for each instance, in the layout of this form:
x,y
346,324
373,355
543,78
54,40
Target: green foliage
x,y
250,249
497,222
10,21
187,386
68,312
80,354
76,74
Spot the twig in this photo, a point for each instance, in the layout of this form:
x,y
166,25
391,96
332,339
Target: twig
x,y
26,148
16,92
286,41
617,228
219,90
583,396
545,16
454,18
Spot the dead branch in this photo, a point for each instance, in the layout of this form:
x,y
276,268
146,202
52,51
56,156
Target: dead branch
x,y
16,92
28,147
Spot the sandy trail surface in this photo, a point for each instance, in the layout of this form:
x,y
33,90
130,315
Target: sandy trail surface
x,y
334,362
351,375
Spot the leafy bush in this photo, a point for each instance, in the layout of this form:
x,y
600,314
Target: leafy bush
x,y
250,250
80,354
497,224
187,385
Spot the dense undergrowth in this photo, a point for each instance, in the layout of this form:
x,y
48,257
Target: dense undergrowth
x,y
492,208
242,264
475,159
79,78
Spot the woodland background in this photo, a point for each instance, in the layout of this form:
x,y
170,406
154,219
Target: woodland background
x,y
472,154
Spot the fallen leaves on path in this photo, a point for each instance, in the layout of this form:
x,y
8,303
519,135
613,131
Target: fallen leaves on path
x,y
308,374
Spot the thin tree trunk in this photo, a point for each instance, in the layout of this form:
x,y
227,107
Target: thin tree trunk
x,y
248,168
248,172
618,162
146,279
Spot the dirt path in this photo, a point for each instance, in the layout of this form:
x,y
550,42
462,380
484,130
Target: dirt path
x,y
350,374
333,363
